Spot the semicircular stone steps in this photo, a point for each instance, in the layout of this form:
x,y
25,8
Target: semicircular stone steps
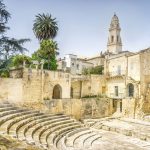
x,y
47,136
46,131
20,118
33,128
13,130
22,131
50,131
48,126
8,119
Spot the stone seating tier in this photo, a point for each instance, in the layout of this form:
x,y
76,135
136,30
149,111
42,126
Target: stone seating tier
x,y
60,132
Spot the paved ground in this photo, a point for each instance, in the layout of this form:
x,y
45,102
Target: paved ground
x,y
115,141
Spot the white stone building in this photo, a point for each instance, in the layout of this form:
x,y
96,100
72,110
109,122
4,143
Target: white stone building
x,y
75,65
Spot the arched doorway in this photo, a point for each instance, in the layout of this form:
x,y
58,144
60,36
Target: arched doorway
x,y
57,92
130,90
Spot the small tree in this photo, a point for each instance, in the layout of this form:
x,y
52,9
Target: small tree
x,y
19,60
48,51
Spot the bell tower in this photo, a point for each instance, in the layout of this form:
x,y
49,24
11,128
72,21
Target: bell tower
x,y
114,44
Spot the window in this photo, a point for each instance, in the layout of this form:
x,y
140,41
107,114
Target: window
x,y
119,70
112,38
130,90
117,38
116,90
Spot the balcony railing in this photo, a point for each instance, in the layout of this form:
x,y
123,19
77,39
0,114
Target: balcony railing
x,y
116,73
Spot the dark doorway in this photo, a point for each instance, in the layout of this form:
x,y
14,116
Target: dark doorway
x,y
116,91
57,92
120,106
130,90
71,92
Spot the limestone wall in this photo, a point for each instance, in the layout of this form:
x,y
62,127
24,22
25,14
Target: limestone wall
x,y
121,88
96,61
145,70
134,67
145,81
117,65
11,90
82,108
32,85
38,84
92,85
129,107
76,89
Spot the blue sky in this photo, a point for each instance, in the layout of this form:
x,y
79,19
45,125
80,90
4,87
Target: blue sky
x,y
83,24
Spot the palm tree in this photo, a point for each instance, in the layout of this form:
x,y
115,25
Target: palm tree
x,y
45,27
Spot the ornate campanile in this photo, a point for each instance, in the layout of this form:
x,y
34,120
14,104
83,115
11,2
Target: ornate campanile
x,y
114,44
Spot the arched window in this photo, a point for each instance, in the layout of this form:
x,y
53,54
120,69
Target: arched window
x,y
130,90
57,92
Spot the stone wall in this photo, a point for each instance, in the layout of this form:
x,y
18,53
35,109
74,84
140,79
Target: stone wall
x,y
133,67
82,108
129,107
96,61
117,65
11,89
94,86
111,88
89,85
38,85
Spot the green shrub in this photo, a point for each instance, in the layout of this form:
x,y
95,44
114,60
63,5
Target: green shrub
x,y
93,70
4,73
18,60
